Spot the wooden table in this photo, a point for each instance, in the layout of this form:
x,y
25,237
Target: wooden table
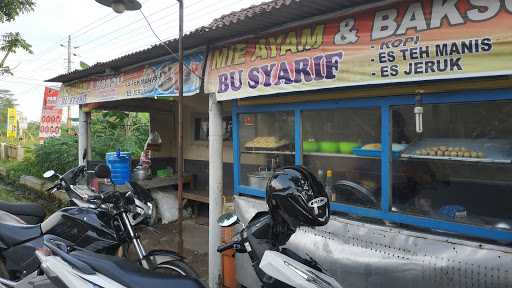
x,y
161,182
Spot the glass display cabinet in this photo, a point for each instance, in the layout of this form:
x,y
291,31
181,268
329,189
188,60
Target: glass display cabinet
x,y
446,169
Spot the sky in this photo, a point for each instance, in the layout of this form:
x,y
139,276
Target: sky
x,y
97,35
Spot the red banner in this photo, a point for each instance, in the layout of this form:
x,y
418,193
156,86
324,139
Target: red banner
x,y
51,116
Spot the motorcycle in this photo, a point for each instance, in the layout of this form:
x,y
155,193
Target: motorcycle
x,y
294,198
275,267
65,265
33,213
101,224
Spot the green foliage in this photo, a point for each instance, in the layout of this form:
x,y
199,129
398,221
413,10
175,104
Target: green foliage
x,y
59,154
113,130
10,9
11,42
31,134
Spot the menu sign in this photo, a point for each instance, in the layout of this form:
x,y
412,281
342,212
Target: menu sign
x,y
154,80
51,115
398,42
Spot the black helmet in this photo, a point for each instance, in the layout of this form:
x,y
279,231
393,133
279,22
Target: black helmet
x,y
295,195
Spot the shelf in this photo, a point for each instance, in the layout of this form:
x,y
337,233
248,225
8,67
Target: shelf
x,y
475,160
337,155
270,152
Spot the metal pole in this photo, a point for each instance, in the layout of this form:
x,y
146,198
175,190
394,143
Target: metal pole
x,y
180,133
83,131
215,190
68,121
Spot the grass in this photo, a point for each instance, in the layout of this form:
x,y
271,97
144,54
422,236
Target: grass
x,y
8,195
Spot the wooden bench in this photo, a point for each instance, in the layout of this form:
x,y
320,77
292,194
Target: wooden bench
x,y
196,195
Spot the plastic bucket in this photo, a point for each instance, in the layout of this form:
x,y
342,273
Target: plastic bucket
x,y
120,164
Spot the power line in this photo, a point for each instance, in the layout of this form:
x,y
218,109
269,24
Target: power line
x,y
123,27
129,36
131,32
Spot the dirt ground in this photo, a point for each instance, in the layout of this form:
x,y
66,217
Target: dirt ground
x,y
195,242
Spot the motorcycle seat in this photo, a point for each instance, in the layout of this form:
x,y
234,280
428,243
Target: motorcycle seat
x,y
131,275
14,231
31,213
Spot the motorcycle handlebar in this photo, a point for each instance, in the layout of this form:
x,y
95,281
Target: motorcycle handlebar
x,y
53,187
232,245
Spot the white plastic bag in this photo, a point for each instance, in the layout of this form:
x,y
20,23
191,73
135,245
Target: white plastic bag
x,y
154,138
167,204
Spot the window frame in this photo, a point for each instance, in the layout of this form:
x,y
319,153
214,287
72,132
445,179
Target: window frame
x,y
385,104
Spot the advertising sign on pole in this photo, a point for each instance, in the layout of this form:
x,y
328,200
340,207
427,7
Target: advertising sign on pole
x,y
387,42
51,115
12,125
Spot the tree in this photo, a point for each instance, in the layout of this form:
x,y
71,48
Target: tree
x,y
11,42
10,9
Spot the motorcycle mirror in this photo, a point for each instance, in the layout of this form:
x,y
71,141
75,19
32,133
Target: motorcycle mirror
x,y
227,220
48,174
102,171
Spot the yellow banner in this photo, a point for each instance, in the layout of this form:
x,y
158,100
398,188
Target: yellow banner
x,y
383,43
12,125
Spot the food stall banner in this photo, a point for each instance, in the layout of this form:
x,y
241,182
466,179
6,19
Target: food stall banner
x,y
152,80
11,123
397,41
51,115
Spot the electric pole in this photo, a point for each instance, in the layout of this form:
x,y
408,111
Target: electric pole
x,y
68,121
180,132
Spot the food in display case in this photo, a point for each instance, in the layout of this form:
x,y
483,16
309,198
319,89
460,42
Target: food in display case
x,y
374,150
480,150
269,143
445,151
372,146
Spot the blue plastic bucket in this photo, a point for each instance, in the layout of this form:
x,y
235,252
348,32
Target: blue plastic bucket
x,y
120,164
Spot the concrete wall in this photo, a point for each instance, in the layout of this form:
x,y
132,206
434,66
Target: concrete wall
x,y
195,152
165,124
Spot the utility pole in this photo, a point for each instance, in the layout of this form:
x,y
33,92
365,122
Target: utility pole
x,y
68,121
180,132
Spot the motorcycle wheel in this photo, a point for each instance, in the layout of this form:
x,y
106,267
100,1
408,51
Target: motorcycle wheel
x,y
176,268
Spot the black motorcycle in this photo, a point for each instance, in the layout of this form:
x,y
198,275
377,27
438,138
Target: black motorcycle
x,y
101,225
294,198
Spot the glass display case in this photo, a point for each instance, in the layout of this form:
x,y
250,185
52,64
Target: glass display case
x,y
452,176
266,143
331,140
458,168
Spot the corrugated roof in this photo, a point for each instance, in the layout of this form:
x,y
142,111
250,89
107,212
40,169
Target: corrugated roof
x,y
251,20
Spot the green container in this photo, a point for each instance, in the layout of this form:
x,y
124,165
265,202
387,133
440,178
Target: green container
x,y
329,147
346,147
163,173
310,146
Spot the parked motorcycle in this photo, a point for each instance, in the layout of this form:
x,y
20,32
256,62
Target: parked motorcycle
x,y
65,265
33,213
100,224
294,198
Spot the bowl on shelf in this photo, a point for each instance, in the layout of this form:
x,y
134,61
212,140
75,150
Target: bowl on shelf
x,y
346,147
328,147
310,146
